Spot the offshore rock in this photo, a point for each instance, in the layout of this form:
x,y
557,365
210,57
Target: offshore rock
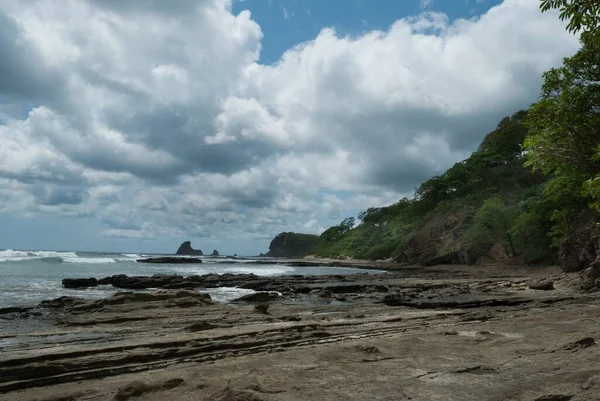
x,y
186,249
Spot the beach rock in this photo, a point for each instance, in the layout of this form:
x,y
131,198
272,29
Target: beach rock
x,y
346,289
396,299
258,297
181,299
215,253
15,309
580,344
125,297
544,285
230,394
170,260
555,397
200,326
138,388
61,302
186,249
105,281
79,282
143,282
262,308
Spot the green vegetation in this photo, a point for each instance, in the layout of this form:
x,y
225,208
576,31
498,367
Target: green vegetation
x,y
489,198
583,15
291,245
529,190
533,182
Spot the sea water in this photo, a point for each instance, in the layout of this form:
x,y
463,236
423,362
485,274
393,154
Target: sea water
x,y
28,277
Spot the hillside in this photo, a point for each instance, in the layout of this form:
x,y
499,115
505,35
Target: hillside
x,y
529,194
488,205
291,245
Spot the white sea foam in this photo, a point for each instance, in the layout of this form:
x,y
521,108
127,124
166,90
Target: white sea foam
x,y
10,255
79,259
259,270
226,294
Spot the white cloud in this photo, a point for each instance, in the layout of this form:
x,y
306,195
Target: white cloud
x,y
286,13
425,3
160,120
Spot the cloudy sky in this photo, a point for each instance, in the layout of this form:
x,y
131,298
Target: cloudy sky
x,y
133,125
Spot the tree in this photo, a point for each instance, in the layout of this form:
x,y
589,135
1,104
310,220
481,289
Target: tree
x,y
335,233
564,133
493,224
583,15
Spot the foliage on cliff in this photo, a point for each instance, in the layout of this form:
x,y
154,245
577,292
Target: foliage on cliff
x,y
291,245
489,198
528,189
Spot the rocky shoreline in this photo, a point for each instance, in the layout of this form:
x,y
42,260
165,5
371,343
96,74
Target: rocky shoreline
x,y
451,333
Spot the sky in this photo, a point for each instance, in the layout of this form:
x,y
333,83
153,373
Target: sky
x,y
133,126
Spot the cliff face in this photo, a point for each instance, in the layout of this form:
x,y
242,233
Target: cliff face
x,y
186,249
292,245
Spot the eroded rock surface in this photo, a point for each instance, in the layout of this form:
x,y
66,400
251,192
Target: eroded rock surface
x,y
452,334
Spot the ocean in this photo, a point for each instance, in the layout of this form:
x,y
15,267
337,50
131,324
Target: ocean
x,y
28,277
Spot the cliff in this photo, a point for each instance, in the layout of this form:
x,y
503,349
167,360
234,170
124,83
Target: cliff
x,y
292,245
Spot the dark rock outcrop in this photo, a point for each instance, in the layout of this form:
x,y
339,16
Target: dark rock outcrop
x,y
262,308
186,249
79,282
543,285
292,245
170,260
143,282
258,297
174,281
215,253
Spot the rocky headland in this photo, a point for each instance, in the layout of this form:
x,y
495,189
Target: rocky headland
x,y
420,333
291,245
186,249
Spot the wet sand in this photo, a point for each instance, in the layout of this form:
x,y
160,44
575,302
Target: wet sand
x,y
441,333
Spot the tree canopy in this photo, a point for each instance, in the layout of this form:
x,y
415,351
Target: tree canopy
x,y
583,15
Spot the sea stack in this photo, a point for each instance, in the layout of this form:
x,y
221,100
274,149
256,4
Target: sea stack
x,y
215,253
186,249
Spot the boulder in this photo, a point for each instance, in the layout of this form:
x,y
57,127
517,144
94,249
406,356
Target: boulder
x,y
186,249
79,282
